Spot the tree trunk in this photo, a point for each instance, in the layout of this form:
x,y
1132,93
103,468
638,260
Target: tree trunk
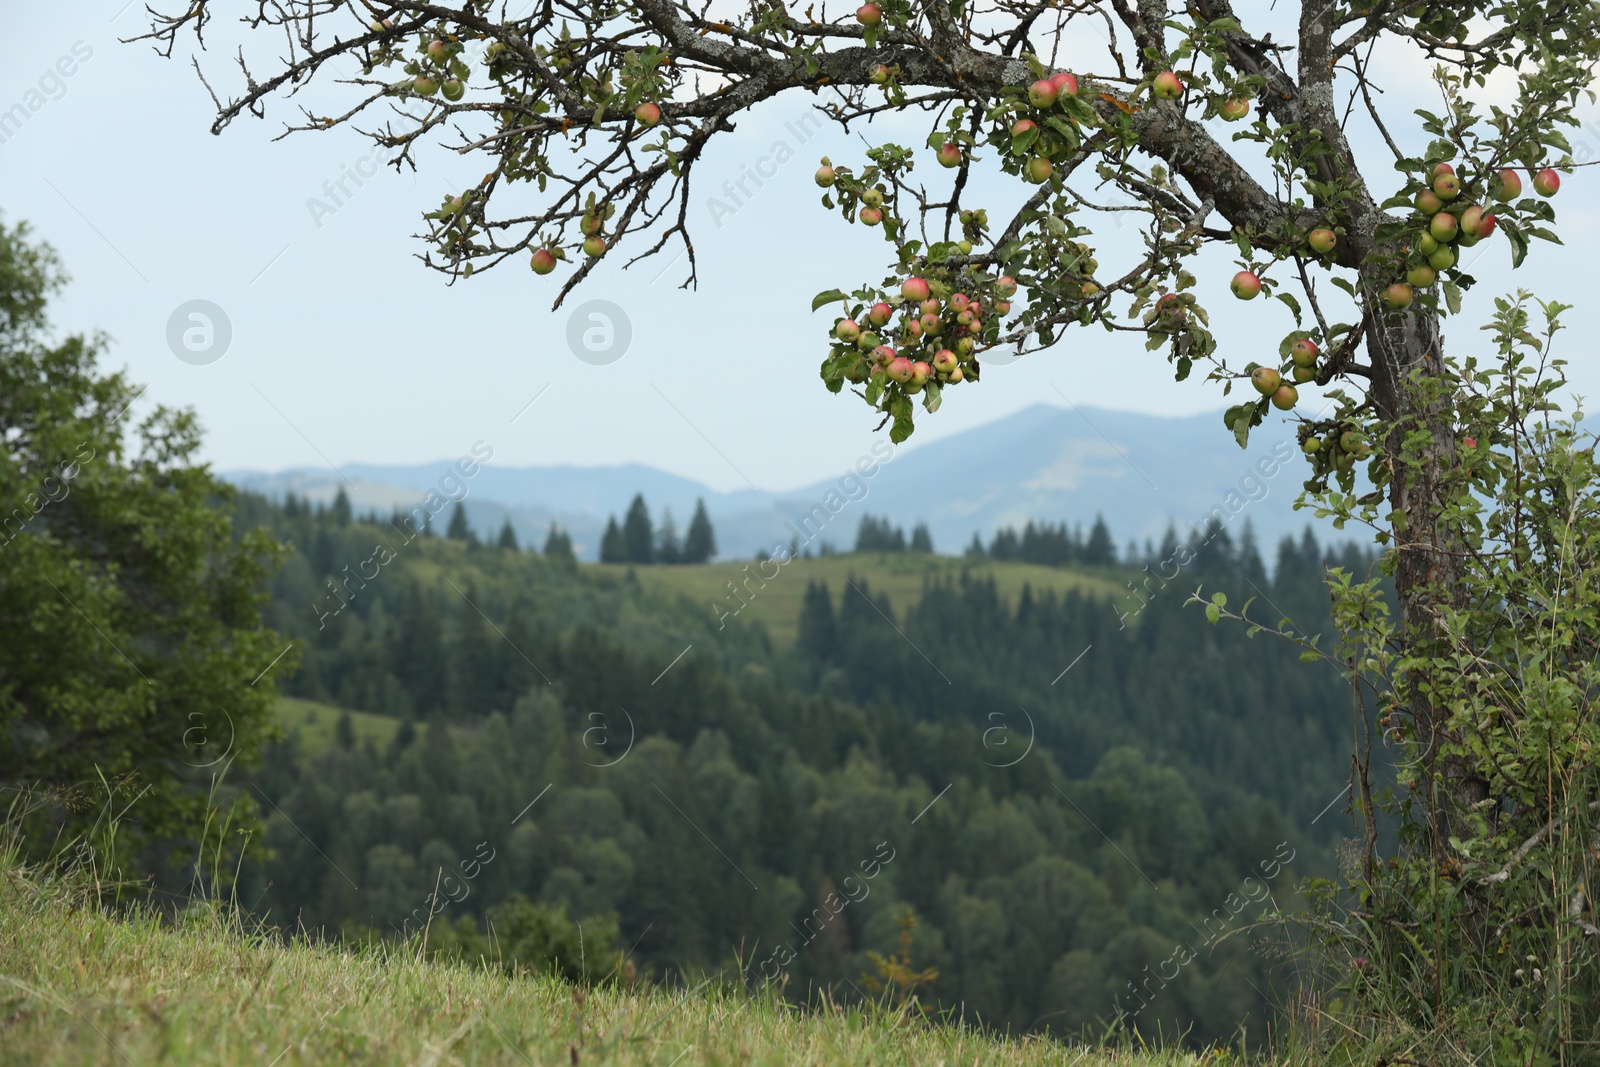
x,y
1406,351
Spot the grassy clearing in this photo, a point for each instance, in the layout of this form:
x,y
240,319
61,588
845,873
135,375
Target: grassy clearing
x,y
80,987
316,723
776,603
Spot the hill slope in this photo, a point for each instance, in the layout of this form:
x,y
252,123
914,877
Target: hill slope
x,y
80,987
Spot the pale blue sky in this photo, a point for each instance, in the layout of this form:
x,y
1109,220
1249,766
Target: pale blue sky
x,y
345,348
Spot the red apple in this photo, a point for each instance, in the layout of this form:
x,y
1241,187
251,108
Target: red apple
x,y
1322,240
931,324
1042,93
1470,442
1285,397
1234,109
930,306
1442,227
1546,182
437,50
1441,168
1304,352
899,369
1065,84
883,354
1002,307
869,14
1245,285
871,215
915,289
944,361
1167,86
1006,286
825,176
1398,295
956,375
959,301
1507,186
1023,126
1447,186
1428,202
920,372
647,114
879,314
950,154
914,329
1476,222
544,261
1266,380
848,331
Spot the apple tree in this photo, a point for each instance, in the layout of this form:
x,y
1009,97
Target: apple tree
x,y
1266,134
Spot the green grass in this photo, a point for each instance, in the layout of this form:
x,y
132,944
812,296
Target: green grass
x,y
776,603
80,987
316,723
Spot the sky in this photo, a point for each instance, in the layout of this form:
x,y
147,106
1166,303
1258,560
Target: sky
x,y
343,348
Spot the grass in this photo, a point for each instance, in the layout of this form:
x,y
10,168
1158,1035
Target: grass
x,y
79,986
316,723
776,602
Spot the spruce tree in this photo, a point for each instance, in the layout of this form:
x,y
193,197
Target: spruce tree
x,y
667,547
458,530
613,548
508,537
700,543
558,547
637,534
341,509
921,539
1101,551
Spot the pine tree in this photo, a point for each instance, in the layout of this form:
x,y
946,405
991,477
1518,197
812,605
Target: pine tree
x,y
975,550
508,537
638,536
341,509
667,548
1101,551
558,547
458,530
700,543
921,539
613,548
819,633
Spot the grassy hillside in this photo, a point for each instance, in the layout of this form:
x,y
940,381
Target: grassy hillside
x,y
315,723
776,602
78,987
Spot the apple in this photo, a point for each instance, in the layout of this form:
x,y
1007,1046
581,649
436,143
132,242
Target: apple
x,y
1042,93
1441,168
1285,397
1475,222
453,89
437,50
975,327
1447,186
1006,286
883,354
871,215
944,361
1023,126
869,340
1065,84
965,346
1428,202
950,155
1266,380
647,114
930,306
848,331
920,372
1470,442
1304,352
915,289
956,375
1038,170
1322,240
1426,244
594,247
1352,442
1443,259
1467,240
914,329
1245,285
899,369
878,75
1002,307
1167,86
425,86
590,225
1443,227
1546,182
544,261
1398,295
1234,109
1303,374
1421,276
872,198
931,324
879,314
1310,445
1507,185
959,301
869,14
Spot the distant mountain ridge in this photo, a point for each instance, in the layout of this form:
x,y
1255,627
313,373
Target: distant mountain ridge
x,y
1142,472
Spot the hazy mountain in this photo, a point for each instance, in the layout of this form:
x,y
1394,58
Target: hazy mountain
x,y
1141,471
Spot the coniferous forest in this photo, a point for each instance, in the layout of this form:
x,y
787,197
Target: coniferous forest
x,y
1036,811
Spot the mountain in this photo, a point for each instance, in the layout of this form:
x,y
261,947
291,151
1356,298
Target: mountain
x,y
1142,472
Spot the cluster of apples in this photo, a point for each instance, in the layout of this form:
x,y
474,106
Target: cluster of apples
x,y
1269,382
1044,94
592,224
1338,448
937,337
438,73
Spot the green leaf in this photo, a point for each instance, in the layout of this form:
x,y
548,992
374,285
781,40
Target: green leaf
x,y
1452,296
1294,305
827,296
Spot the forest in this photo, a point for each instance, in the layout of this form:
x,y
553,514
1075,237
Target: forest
x,y
1067,816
